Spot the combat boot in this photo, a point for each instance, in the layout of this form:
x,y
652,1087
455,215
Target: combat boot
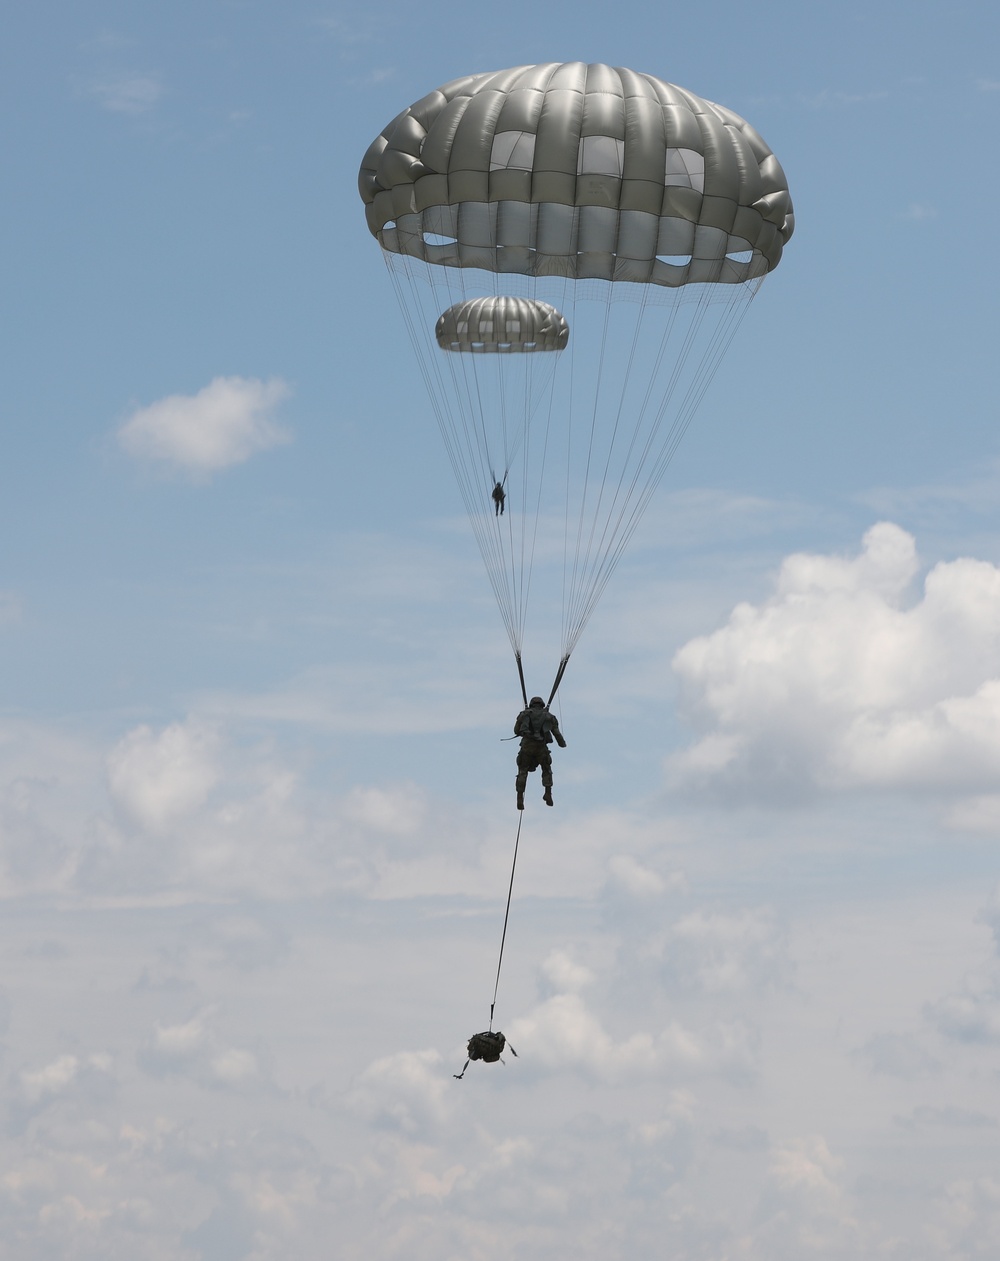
x,y
547,796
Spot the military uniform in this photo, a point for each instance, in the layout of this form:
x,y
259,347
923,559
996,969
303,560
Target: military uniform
x,y
537,729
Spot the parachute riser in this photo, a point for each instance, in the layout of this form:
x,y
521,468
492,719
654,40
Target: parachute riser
x,y
558,679
520,675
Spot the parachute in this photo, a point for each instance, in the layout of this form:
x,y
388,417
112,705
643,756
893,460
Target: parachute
x,y
573,247
502,326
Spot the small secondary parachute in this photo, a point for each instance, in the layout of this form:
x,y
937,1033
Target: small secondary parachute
x,y
646,218
502,325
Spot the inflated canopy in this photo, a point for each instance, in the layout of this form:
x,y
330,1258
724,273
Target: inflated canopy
x,y
502,325
623,207
580,171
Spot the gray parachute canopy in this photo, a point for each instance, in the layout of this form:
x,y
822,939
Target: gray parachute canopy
x,y
581,171
502,325
633,212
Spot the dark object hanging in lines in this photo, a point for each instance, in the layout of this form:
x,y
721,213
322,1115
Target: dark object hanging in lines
x,y
486,1047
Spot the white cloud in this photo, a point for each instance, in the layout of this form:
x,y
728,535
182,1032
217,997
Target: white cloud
x,y
157,778
972,1016
194,1050
804,1210
562,1033
47,780
837,683
721,951
234,1067
127,92
49,1080
970,1211
564,974
223,424
398,811
807,1166
192,810
662,1148
899,1055
83,1081
405,1091
245,942
627,873
990,915
948,1117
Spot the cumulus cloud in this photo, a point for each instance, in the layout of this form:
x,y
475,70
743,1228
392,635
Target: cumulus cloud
x,y
629,875
950,1117
970,1219
562,1033
245,942
990,916
804,1209
406,1091
564,974
971,1017
661,1150
158,778
47,781
223,424
899,1055
722,951
68,1078
193,809
398,811
195,1051
839,682
50,1079
808,1167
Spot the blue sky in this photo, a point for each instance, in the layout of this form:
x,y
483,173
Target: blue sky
x,y
255,815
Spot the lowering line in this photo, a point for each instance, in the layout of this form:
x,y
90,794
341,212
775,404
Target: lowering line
x,y
503,937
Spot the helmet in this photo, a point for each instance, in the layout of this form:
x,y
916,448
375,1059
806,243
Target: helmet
x,y
537,700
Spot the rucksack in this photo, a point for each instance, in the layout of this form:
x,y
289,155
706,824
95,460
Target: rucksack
x,y
533,722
